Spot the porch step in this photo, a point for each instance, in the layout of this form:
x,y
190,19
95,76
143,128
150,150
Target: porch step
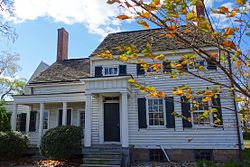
x,y
108,156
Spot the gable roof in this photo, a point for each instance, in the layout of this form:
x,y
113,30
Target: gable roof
x,y
141,37
65,71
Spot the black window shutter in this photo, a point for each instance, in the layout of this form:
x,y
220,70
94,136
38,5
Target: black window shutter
x,y
140,70
60,118
217,104
185,110
169,101
142,113
98,71
68,116
211,66
167,67
23,122
32,127
122,70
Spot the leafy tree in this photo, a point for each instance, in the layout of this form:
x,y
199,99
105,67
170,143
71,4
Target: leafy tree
x,y
4,118
190,22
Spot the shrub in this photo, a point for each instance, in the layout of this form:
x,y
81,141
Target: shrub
x,y
61,142
4,118
12,144
246,135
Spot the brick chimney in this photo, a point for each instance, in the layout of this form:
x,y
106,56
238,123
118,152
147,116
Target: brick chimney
x,y
200,9
62,45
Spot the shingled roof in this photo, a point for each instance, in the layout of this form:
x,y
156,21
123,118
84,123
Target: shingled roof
x,y
141,37
65,71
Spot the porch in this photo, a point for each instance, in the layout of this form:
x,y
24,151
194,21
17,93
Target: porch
x,y
106,110
46,112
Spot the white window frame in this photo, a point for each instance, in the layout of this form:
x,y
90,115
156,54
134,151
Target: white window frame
x,y
201,111
105,67
47,120
71,114
164,113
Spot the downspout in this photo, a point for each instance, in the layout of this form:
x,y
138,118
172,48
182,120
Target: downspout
x,y
236,111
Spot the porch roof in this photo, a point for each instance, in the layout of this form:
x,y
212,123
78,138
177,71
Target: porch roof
x,y
49,98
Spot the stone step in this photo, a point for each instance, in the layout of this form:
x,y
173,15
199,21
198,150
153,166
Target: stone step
x,y
102,161
98,165
114,156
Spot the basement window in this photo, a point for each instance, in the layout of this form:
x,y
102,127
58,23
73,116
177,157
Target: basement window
x,y
203,155
156,155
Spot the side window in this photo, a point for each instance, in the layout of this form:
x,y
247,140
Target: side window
x,y
82,119
46,120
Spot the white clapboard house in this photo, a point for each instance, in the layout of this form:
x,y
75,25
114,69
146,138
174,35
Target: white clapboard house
x,y
94,93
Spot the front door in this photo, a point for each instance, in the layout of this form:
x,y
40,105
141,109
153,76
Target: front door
x,y
111,122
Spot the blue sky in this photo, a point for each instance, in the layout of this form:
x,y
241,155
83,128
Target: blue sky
x,y
88,22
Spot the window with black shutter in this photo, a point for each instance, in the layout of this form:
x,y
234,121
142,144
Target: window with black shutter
x,y
167,67
122,70
98,71
217,116
169,101
142,113
211,65
68,116
23,122
32,127
185,110
140,70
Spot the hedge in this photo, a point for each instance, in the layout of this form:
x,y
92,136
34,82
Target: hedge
x,y
12,144
61,142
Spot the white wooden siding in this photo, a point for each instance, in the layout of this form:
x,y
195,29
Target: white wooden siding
x,y
179,138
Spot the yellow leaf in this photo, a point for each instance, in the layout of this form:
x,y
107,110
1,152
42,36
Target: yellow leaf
x,y
123,17
156,2
143,23
190,16
206,99
169,36
146,14
240,2
159,57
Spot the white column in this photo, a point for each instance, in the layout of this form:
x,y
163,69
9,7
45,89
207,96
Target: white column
x,y
124,119
13,117
88,118
40,128
64,114
28,122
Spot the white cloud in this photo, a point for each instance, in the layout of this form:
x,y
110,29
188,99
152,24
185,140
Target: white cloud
x,y
96,15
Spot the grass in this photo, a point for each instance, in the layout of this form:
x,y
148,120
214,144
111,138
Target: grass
x,y
247,143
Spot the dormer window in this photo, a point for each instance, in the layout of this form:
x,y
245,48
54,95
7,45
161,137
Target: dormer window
x,y
110,71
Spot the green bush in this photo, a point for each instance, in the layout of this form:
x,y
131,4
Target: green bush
x,y
246,135
61,142
12,144
4,118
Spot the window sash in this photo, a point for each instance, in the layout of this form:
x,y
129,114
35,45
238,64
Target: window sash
x,y
110,71
155,112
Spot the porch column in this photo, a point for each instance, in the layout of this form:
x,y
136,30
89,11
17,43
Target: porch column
x,y
40,128
88,118
124,119
13,117
64,114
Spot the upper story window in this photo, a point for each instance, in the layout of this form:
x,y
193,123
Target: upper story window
x,y
195,65
199,108
155,112
110,71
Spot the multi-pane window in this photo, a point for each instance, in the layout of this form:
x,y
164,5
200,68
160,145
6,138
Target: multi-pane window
x,y
109,71
82,119
155,112
196,64
45,120
199,107
18,122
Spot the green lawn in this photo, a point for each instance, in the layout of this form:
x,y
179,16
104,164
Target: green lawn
x,y
247,143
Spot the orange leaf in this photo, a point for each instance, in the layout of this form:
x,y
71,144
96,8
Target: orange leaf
x,y
143,23
156,2
229,44
169,36
187,31
214,55
240,2
123,17
223,9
